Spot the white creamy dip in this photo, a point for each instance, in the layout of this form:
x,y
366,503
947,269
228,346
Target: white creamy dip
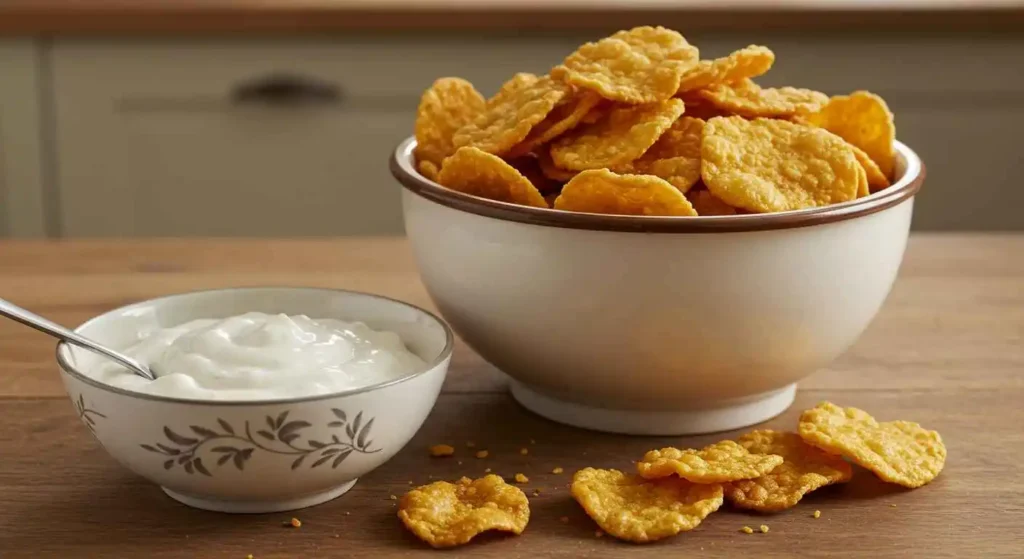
x,y
257,356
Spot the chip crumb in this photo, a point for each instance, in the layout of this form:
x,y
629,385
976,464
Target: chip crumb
x,y
249,556
348,513
557,470
564,519
524,451
520,478
764,528
470,444
536,492
410,482
817,514
295,523
747,530
393,498
482,454
487,470
459,462
893,505
440,450
337,535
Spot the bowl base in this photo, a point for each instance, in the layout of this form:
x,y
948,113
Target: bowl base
x,y
257,507
749,411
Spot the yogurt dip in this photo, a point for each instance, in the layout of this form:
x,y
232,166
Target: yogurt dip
x,y
258,356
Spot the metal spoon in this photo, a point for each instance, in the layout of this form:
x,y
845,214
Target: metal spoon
x,y
28,318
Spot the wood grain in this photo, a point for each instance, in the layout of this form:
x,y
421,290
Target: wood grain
x,y
947,351
190,17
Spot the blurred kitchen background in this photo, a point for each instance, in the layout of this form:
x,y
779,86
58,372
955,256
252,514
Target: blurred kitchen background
x,y
276,118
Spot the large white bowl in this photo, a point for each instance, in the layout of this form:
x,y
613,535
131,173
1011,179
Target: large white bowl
x,y
259,456
656,325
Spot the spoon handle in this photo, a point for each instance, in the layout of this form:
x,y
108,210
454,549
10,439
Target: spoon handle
x,y
33,320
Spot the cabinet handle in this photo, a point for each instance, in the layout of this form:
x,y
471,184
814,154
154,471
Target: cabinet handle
x,y
287,89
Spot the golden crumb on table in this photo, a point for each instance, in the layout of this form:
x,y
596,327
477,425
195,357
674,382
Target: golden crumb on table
x,y
764,528
524,451
487,470
747,530
482,454
295,523
557,470
393,498
893,505
521,478
440,450
817,514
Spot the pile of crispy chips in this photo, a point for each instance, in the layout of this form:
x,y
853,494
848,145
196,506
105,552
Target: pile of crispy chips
x,y
638,124
764,470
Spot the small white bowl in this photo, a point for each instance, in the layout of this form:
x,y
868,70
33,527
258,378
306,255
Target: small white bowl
x,y
656,325
259,456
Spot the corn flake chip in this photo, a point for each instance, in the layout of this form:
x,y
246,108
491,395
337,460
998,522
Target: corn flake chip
x,y
428,169
682,139
721,462
766,165
875,177
563,118
748,62
805,468
748,99
604,192
447,514
448,105
641,65
479,173
680,172
552,171
638,510
899,452
705,203
863,119
620,137
520,104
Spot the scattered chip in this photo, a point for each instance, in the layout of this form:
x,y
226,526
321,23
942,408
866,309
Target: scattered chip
x,y
766,165
428,169
521,478
641,65
748,99
561,119
439,450
448,105
721,462
747,530
508,117
764,528
706,203
476,172
804,469
638,510
817,514
899,452
447,514
604,192
557,470
619,137
748,62
482,454
863,119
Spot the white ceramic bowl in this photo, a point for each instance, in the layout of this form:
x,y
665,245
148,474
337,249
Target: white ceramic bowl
x,y
656,325
259,456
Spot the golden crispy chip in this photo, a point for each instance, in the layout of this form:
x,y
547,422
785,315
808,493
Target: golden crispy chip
x,y
766,165
804,469
717,463
552,171
675,157
620,137
563,118
642,65
748,99
863,188
448,105
875,178
680,172
440,450
428,169
682,139
748,62
900,452
604,192
447,514
705,203
508,117
481,174
638,510
863,119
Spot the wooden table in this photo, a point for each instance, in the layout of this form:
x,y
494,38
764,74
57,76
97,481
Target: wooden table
x,y
947,350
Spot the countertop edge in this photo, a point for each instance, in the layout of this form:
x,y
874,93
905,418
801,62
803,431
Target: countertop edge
x,y
190,19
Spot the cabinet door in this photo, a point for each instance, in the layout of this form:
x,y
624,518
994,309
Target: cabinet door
x,y
22,210
152,139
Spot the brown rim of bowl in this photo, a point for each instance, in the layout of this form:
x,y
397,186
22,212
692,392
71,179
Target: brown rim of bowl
x,y
906,187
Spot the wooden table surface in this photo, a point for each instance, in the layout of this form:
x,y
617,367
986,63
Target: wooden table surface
x,y
947,350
